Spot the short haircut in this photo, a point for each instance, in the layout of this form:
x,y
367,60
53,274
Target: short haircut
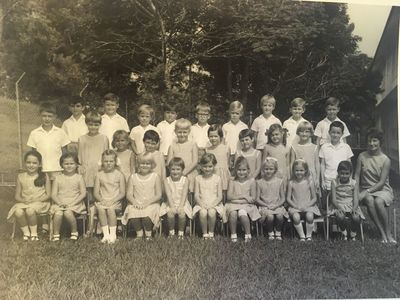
x,y
217,128
304,164
72,155
183,124
267,98
269,160
146,157
274,127
203,106
236,105
169,107
111,97
47,107
119,134
76,100
109,152
176,161
375,133
151,135
208,158
305,125
345,165
241,160
298,102
246,133
332,101
145,108
93,117
337,124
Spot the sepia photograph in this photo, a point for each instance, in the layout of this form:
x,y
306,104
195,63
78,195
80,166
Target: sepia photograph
x,y
199,149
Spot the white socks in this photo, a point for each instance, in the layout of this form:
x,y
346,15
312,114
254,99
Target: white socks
x,y
33,229
106,234
309,229
25,231
113,234
300,231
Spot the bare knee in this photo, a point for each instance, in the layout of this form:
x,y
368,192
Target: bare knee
x,y
369,201
30,212
212,212
309,217
19,213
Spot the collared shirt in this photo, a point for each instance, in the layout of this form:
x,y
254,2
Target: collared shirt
x,y
137,134
231,134
167,135
291,126
199,135
49,144
260,125
75,128
322,130
109,125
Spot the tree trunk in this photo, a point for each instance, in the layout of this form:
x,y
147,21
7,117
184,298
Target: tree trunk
x,y
229,79
244,81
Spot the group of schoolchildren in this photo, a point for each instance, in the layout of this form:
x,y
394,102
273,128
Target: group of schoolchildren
x,y
265,173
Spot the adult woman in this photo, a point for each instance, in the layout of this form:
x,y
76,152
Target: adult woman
x,y
372,175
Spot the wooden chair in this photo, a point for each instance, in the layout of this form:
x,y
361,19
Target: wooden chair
x,y
47,214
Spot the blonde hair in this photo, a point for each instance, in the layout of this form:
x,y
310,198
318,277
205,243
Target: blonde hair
x,y
236,105
304,125
203,106
183,124
267,98
145,108
146,157
269,160
298,102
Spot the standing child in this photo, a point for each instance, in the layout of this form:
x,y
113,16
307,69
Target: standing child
x,y
199,131
109,190
297,109
232,129
276,147
332,108
75,126
146,115
208,196
302,199
345,200
32,195
125,155
177,205
111,121
151,141
166,128
68,193
331,154
264,121
270,198
253,156
222,154
90,149
185,149
241,200
144,195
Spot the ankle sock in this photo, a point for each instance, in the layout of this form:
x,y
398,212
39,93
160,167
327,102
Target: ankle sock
x,y
139,233
106,231
300,231
148,233
113,232
33,229
25,231
171,232
309,229
180,233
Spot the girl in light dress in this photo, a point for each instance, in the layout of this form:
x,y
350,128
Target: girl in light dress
x,y
271,197
176,190
241,198
276,147
302,199
253,156
144,196
68,193
125,155
32,195
109,190
208,196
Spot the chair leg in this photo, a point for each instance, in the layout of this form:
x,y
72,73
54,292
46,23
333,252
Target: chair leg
x,y
327,229
362,233
190,227
13,230
84,225
394,224
51,225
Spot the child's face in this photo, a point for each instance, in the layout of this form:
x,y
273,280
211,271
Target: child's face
x,y
214,138
276,137
235,115
93,128
242,171
122,143
170,116
247,143
269,170
182,134
331,112
207,169
297,112
344,176
202,117
374,144
144,118
150,145
176,172
110,107
299,171
69,165
335,133
76,109
32,164
304,135
47,118
108,163
268,107
145,167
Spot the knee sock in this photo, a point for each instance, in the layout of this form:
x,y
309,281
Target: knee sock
x,y
33,229
300,231
25,231
309,229
106,231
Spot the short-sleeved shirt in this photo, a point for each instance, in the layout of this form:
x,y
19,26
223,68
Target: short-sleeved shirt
x,y
260,125
231,134
137,134
75,128
322,130
291,126
333,155
199,135
49,144
109,125
167,135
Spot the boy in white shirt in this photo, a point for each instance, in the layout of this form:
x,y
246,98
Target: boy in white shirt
x,y
199,131
167,129
297,108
